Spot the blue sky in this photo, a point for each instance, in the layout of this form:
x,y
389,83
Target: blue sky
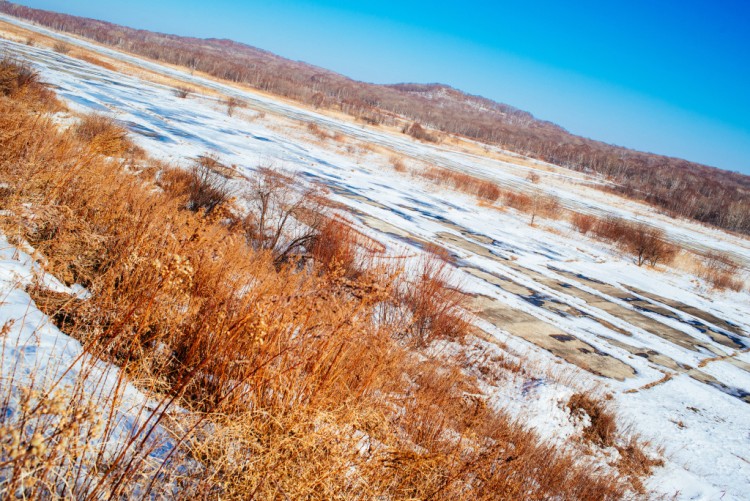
x,y
670,77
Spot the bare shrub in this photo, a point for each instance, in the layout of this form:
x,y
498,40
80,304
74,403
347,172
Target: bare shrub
x,y
648,245
543,205
233,103
463,182
183,92
416,131
722,272
61,47
612,229
317,131
283,216
584,223
339,249
436,307
207,189
398,164
519,201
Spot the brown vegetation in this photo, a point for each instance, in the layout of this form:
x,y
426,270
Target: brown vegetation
x,y
416,131
233,103
463,182
602,427
61,47
584,223
182,92
647,244
721,271
96,61
104,136
295,378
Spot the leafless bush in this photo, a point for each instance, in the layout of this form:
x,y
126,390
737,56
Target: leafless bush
x,y
436,306
466,183
612,229
233,103
722,272
648,245
397,163
416,131
543,205
317,131
182,92
519,201
61,47
207,189
583,222
283,216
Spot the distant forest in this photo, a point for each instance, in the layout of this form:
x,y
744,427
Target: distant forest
x,y
679,187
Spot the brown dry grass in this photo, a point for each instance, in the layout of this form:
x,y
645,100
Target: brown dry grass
x,y
465,183
96,61
397,163
104,136
296,377
602,427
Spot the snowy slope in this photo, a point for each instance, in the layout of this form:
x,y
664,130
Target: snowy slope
x,y
546,292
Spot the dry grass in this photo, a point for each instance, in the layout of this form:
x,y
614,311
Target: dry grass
x,y
104,136
397,163
416,131
316,131
61,47
95,61
19,81
602,427
182,91
465,183
298,379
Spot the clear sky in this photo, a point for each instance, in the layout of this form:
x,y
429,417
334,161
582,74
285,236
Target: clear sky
x,y
665,76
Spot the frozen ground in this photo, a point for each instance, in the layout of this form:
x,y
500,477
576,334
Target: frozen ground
x,y
544,293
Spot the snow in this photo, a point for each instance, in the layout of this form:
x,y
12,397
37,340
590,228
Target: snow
x,y
36,355
706,457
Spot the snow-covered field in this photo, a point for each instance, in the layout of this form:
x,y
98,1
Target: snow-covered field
x,y
546,294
